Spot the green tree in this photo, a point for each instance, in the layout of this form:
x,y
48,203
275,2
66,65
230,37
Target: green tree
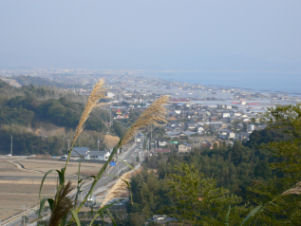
x,y
286,169
196,199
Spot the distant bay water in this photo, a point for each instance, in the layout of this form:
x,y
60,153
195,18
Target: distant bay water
x,y
281,82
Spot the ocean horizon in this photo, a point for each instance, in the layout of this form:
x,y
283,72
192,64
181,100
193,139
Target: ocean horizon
x,y
288,83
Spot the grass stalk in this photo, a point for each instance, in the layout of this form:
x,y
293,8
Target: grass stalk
x,y
154,114
97,93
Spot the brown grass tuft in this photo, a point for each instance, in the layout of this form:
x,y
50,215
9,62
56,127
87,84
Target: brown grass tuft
x,y
154,114
62,205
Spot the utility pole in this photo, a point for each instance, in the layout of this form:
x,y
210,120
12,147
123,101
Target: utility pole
x,y
117,163
24,215
11,145
68,144
98,142
110,117
148,140
151,136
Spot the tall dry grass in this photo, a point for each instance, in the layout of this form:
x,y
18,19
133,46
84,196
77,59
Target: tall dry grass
x,y
296,190
120,188
155,114
61,205
97,93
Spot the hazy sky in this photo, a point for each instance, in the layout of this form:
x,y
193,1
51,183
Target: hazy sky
x,y
200,35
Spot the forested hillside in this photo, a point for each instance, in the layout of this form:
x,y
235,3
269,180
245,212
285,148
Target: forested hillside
x,y
42,120
256,183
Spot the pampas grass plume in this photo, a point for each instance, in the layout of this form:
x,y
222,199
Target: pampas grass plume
x,y
97,93
154,114
293,191
119,188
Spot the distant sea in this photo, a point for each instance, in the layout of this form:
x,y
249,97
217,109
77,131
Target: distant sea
x,y
288,83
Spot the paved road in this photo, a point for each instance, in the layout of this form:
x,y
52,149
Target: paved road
x,y
125,162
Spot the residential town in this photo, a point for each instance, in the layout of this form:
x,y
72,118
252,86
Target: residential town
x,y
198,116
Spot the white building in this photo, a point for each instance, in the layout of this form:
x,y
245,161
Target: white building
x,y
200,130
226,115
232,135
97,155
162,143
85,153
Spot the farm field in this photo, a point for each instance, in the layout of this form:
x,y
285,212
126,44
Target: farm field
x,y
20,179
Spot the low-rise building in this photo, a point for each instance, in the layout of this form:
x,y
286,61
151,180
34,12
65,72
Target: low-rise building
x,y
87,154
97,155
184,148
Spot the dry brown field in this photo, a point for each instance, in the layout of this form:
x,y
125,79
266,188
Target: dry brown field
x,y
20,179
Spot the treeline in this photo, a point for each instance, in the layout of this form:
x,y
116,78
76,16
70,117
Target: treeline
x,y
28,144
46,108
252,183
28,110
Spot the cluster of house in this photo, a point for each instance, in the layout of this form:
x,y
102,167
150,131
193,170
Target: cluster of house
x,y
190,116
164,147
226,122
195,111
